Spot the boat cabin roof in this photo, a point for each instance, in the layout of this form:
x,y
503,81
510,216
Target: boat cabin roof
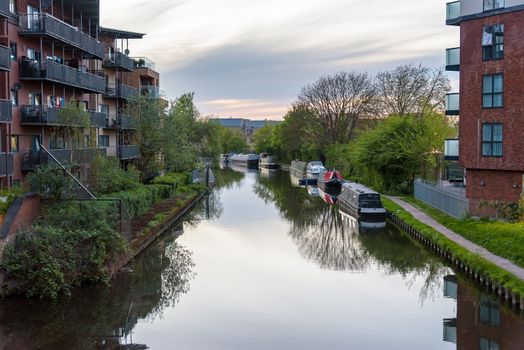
x,y
359,188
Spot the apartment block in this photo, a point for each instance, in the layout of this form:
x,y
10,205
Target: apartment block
x,y
52,52
490,103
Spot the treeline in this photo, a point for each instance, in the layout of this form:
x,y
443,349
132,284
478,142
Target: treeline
x,y
381,130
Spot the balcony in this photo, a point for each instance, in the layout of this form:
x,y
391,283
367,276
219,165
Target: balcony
x,y
45,24
151,91
127,122
119,91
453,104
453,13
48,116
119,61
62,74
453,59
6,111
5,58
4,9
6,164
33,160
128,152
451,149
143,62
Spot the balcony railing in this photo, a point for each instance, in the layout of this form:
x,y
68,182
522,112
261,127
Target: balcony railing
x,y
453,13
127,122
6,111
43,115
150,91
33,160
6,164
127,152
451,149
59,73
119,91
453,104
5,58
118,60
98,119
45,24
143,62
453,59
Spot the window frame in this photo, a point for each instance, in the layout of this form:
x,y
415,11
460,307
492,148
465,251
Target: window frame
x,y
491,142
13,47
106,137
484,9
492,49
493,93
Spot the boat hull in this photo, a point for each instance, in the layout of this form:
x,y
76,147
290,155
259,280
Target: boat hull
x,y
251,163
268,165
368,217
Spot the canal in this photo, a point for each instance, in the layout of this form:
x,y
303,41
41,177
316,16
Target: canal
x,y
261,264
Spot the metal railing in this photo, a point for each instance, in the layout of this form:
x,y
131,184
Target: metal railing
x,y
119,60
32,160
49,70
127,122
43,115
119,91
451,200
4,9
6,111
128,152
98,119
45,24
143,62
452,11
452,104
5,58
453,59
6,164
150,91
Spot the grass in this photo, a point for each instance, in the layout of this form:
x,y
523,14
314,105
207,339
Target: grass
x,y
501,238
475,261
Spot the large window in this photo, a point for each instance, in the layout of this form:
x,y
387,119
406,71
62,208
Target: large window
x,y
12,6
493,91
493,42
492,140
493,4
488,344
103,141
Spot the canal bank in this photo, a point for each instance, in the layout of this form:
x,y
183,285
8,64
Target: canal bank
x,y
498,275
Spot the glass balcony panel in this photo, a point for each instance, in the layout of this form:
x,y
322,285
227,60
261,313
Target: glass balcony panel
x,y
453,11
143,62
129,152
451,149
452,104
453,59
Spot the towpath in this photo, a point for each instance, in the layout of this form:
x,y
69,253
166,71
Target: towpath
x,y
472,247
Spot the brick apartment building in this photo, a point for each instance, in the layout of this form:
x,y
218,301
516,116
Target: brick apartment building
x,y
52,51
491,98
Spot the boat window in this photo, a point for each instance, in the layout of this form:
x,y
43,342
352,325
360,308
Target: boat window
x,y
371,204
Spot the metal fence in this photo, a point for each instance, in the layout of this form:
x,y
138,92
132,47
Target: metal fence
x,y
450,200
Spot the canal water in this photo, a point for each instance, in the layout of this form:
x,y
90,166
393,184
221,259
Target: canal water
x,y
261,264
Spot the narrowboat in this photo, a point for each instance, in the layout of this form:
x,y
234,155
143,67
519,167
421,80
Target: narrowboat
x,y
315,168
330,181
329,198
249,160
267,161
362,203
298,168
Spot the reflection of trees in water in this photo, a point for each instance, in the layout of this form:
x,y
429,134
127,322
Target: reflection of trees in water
x,y
101,317
227,178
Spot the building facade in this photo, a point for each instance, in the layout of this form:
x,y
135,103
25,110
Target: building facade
x,y
490,102
53,52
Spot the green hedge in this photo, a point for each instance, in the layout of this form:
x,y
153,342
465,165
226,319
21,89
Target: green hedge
x,y
173,179
139,200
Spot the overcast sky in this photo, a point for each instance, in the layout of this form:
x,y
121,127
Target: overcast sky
x,y
250,58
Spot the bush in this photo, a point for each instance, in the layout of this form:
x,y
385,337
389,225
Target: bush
x,y
173,179
139,200
50,184
107,176
7,197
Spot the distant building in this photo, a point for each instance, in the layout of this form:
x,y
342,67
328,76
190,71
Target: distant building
x,y
245,126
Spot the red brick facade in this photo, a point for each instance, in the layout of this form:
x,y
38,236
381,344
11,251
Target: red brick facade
x,y
492,178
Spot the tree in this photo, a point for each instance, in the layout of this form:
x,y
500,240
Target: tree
x,y
337,102
412,90
264,139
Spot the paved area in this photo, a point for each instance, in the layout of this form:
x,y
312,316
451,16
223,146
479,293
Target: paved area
x,y
472,247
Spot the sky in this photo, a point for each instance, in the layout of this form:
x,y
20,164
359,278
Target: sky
x,y
250,58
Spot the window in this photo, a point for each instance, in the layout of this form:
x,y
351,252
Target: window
x,y
14,144
492,140
56,141
35,99
14,53
103,109
492,91
103,141
493,4
33,18
12,6
32,54
14,97
487,344
493,42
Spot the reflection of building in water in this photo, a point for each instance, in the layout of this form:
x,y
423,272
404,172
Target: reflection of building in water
x,y
267,173
481,322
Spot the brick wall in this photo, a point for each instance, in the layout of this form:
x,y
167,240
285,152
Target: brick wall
x,y
494,185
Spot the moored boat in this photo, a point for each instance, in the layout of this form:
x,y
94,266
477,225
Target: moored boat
x,y
330,181
315,168
298,168
267,161
362,203
329,198
249,160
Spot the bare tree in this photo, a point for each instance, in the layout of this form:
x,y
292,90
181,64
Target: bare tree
x,y
337,103
411,89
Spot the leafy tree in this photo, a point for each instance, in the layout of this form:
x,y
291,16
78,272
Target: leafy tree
x,y
106,176
264,140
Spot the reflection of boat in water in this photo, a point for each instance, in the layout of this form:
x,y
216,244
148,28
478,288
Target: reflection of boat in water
x,y
242,169
362,203
298,169
267,161
224,158
329,198
267,173
330,181
247,160
313,191
315,168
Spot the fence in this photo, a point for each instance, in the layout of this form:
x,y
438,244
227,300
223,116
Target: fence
x,y
450,200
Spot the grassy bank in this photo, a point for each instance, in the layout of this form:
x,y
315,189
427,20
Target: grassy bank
x,y
480,265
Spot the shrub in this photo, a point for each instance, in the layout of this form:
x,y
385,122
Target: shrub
x,y
139,200
107,176
50,184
